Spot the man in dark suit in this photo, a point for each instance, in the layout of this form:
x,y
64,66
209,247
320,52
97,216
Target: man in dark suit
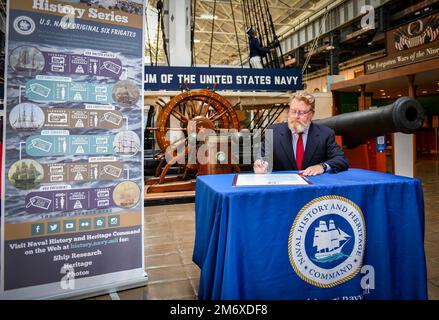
x,y
300,144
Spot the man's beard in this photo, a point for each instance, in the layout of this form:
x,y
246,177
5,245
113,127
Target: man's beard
x,y
298,126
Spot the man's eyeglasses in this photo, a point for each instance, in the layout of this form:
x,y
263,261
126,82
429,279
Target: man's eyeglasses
x,y
299,113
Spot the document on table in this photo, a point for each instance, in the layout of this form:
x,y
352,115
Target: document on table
x,y
248,180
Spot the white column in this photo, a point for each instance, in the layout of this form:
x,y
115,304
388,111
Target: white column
x,y
403,154
179,32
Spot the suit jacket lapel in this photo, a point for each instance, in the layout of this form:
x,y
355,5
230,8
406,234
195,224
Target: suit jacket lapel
x,y
311,145
287,145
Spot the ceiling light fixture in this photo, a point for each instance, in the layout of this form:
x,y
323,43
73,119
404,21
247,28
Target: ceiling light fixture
x,y
207,16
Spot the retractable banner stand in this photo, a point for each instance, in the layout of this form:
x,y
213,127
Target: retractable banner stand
x,y
72,210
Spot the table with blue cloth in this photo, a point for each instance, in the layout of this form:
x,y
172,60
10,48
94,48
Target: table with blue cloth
x,y
357,234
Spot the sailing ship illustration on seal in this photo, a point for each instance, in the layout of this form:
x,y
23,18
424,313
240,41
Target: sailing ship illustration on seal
x,y
329,242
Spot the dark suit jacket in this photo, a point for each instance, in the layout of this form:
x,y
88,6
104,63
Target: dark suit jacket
x,y
320,147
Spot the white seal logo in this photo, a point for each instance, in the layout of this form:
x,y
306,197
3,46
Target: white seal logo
x,y
327,241
24,25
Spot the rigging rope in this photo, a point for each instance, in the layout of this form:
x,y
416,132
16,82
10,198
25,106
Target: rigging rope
x,y
275,37
161,25
211,34
159,7
193,62
257,15
236,34
165,48
147,32
314,43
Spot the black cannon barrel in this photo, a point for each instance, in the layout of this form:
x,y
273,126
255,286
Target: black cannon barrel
x,y
404,115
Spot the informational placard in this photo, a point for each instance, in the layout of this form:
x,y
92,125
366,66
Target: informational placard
x,y
72,210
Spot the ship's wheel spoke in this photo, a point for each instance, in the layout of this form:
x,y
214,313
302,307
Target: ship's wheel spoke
x,y
200,108
178,142
166,129
204,108
192,106
188,110
217,115
182,108
178,115
194,109
175,129
176,146
208,102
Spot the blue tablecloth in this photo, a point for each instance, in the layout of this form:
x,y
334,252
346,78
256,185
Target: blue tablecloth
x,y
248,239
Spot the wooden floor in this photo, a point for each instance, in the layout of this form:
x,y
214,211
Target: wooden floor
x,y
169,238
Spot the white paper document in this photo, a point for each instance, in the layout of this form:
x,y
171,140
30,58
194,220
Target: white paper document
x,y
244,180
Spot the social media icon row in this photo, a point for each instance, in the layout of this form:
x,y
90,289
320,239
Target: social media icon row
x,y
84,224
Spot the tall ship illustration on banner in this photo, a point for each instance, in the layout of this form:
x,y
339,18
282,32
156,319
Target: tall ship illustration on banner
x,y
29,60
25,175
126,143
26,118
126,146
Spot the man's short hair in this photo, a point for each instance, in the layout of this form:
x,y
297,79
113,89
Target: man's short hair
x,y
250,31
305,97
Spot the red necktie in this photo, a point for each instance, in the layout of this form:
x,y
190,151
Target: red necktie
x,y
299,152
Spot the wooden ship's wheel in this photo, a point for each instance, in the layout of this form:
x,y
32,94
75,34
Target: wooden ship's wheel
x,y
188,117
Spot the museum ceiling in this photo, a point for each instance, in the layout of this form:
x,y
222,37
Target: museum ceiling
x,y
286,14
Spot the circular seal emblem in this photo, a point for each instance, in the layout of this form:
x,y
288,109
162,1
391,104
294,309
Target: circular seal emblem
x,y
24,25
327,241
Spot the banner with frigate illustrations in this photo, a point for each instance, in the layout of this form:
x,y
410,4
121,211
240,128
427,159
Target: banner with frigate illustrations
x,y
72,211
